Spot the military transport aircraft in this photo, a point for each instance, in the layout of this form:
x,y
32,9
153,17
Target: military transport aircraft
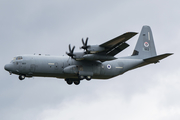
x,y
95,62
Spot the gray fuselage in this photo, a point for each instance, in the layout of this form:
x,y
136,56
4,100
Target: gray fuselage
x,y
65,67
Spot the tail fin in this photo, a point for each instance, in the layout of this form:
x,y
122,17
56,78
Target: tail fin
x,y
145,47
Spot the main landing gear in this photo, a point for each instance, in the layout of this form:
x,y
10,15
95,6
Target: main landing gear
x,y
81,77
88,78
22,77
70,81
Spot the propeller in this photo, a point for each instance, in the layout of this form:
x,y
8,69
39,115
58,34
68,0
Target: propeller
x,y
85,46
71,52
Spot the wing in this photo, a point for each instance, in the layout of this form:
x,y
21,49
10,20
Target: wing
x,y
103,52
116,45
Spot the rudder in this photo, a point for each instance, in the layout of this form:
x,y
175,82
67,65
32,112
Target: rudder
x,y
145,47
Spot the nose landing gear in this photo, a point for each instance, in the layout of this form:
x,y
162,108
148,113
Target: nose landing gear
x,y
22,77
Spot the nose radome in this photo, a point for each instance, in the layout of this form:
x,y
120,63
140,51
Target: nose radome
x,y
7,67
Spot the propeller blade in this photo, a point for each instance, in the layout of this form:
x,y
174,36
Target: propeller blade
x,y
73,50
69,48
85,46
86,41
67,53
83,42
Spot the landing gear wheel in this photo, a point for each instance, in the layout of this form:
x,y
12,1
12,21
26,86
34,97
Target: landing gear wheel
x,y
21,77
69,82
81,77
88,78
77,82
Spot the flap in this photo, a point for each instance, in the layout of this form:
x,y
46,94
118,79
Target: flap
x,y
117,49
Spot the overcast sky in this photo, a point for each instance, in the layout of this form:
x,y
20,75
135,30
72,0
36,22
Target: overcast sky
x,y
48,26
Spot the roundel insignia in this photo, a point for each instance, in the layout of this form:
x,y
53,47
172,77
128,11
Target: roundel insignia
x,y
108,66
146,44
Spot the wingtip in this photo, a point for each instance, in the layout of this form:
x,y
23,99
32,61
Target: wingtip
x,y
169,54
132,32
135,33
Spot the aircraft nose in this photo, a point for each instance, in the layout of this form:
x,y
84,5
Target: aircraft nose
x,y
8,67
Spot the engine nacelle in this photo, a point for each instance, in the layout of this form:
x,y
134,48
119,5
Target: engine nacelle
x,y
79,55
95,49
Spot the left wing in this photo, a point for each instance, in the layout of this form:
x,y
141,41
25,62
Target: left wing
x,y
103,52
116,45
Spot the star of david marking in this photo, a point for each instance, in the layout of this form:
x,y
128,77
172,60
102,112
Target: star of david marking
x,y
146,44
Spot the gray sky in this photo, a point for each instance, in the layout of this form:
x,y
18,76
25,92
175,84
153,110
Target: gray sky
x,y
47,27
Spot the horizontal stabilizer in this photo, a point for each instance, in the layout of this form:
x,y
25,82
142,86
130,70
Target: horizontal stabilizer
x,y
157,58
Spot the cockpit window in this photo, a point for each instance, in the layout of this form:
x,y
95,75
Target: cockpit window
x,y
14,58
19,58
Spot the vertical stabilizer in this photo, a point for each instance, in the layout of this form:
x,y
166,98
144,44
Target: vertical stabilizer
x,y
145,47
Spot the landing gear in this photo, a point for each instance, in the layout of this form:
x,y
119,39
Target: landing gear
x,y
77,82
21,77
81,77
88,78
71,81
